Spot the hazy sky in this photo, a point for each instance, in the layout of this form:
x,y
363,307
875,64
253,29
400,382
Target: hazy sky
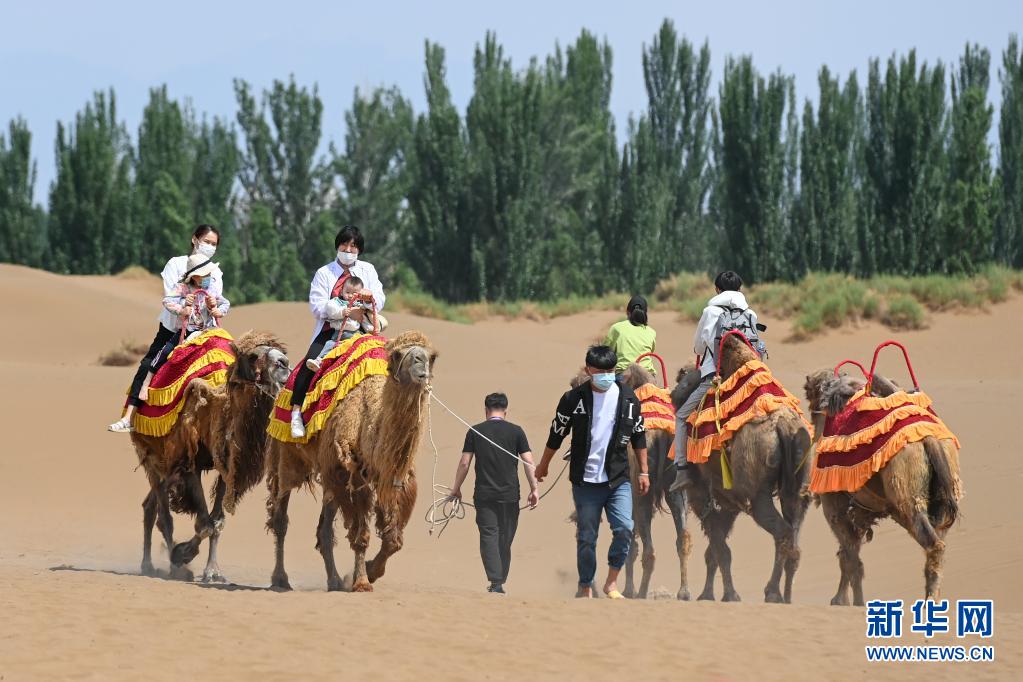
x,y
53,55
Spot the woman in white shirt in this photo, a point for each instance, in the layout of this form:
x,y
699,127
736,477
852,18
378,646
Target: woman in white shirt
x,y
204,242
327,284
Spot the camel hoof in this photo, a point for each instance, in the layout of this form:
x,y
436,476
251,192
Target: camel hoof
x,y
731,596
629,593
706,596
181,573
362,586
773,598
839,601
148,569
683,595
184,552
213,576
279,583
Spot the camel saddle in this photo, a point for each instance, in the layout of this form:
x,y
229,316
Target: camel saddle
x,y
341,370
861,439
206,356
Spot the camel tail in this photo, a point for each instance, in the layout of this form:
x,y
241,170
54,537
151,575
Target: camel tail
x,y
795,464
943,507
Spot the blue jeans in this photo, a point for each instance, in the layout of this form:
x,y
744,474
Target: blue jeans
x,y
590,501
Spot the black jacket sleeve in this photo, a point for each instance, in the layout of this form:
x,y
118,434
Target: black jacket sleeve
x,y
638,436
562,422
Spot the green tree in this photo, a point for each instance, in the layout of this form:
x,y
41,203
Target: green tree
x,y
373,172
441,250
752,170
91,229
281,168
967,242
826,212
1009,234
22,224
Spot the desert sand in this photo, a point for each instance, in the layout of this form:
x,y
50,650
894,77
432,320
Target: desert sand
x,y
73,603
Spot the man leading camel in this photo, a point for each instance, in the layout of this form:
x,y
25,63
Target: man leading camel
x,y
604,417
496,493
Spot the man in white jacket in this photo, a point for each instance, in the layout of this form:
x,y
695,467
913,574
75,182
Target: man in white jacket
x,y
728,297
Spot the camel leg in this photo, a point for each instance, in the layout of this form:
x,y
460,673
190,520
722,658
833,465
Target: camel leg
x,y
392,538
849,540
185,552
325,542
718,526
212,571
767,517
277,508
358,507
644,523
919,526
683,543
932,567
793,508
149,508
165,522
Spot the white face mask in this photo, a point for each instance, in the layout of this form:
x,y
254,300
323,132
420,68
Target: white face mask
x,y
347,259
204,249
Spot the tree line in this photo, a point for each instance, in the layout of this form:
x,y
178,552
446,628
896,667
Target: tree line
x,y
528,194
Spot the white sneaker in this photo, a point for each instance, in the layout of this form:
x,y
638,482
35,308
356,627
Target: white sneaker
x,y
297,427
313,364
120,426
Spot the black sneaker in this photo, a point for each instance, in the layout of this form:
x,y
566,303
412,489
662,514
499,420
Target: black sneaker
x,y
496,588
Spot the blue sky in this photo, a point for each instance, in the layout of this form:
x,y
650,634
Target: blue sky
x,y
53,55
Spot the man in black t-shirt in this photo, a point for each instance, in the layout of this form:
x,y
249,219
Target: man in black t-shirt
x,y
496,494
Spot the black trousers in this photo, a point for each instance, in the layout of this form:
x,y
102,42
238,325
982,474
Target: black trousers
x,y
305,375
497,522
163,336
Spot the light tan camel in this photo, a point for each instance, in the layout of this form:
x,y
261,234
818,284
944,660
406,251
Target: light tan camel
x,y
919,488
221,429
364,462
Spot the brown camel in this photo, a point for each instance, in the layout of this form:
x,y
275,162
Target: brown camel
x,y
766,457
919,488
364,461
662,474
221,429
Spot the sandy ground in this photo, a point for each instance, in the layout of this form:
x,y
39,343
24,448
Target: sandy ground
x,y
74,606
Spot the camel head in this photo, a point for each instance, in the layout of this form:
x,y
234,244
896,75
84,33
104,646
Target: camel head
x,y
635,376
686,381
411,358
260,359
828,394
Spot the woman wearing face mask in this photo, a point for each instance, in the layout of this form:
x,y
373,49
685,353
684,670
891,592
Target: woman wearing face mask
x,y
204,243
327,284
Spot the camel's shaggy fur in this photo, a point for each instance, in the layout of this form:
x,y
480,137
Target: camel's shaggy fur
x,y
221,429
364,460
767,458
919,487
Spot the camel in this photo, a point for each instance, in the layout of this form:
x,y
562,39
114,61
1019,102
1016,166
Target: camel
x,y
364,462
662,474
919,488
219,428
767,458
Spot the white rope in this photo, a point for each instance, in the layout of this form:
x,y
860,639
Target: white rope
x,y
449,506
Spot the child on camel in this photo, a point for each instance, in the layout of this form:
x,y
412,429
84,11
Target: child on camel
x,y
198,309
349,315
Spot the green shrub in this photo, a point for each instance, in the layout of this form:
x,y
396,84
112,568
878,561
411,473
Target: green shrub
x,y
904,312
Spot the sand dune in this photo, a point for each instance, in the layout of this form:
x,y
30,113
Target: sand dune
x,y
70,497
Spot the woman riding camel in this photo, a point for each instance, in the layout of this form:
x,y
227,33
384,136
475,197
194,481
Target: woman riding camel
x,y
633,337
327,284
204,243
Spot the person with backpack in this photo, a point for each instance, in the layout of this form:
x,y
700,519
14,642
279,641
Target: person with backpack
x,y
726,311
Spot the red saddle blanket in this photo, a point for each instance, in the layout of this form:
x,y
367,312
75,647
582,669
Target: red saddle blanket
x,y
206,357
341,370
860,440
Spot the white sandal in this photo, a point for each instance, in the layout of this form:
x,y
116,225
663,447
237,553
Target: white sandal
x,y
121,426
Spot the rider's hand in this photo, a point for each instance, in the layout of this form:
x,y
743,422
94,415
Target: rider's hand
x,y
187,311
190,299
215,312
211,302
